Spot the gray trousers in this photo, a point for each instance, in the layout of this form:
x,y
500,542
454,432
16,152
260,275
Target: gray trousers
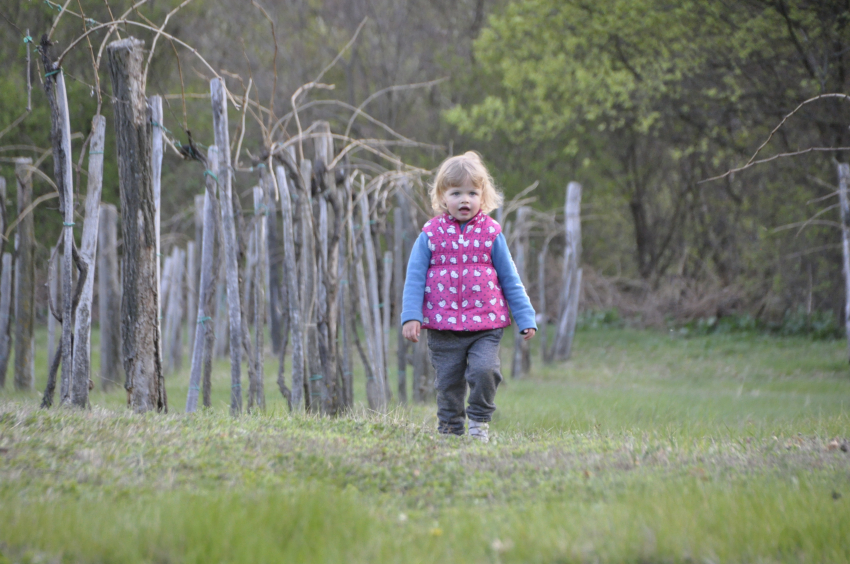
x,y
460,358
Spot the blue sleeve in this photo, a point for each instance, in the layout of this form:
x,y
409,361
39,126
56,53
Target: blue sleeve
x,y
512,286
414,284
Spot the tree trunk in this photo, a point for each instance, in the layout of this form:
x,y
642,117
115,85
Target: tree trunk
x,y
24,281
291,280
140,296
5,310
109,297
88,256
202,349
228,210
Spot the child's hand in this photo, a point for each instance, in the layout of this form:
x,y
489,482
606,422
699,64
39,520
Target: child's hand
x,y
528,333
410,331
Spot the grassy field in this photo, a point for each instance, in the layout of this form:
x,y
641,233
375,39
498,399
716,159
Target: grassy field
x,y
647,447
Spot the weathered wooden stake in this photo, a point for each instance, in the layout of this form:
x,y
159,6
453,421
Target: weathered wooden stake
x,y
274,260
369,313
191,292
5,310
109,297
174,313
344,300
572,273
398,285
88,256
542,306
141,347
202,346
3,220
372,286
386,301
24,281
228,223
155,105
844,203
53,294
66,186
521,364
5,289
260,210
291,280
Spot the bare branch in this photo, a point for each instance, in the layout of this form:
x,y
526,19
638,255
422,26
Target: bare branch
x,y
158,33
773,158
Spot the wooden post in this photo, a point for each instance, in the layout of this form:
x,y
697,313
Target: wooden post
x,y
24,281
521,365
5,289
291,280
155,104
369,309
274,259
331,215
542,306
164,285
109,297
222,141
5,310
844,203
347,392
66,188
372,285
572,273
386,301
88,256
202,346
398,286
60,136
141,347
191,292
260,210
174,313
222,316
53,294
3,220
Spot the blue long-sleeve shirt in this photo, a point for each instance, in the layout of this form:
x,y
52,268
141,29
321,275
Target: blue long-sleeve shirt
x,y
509,280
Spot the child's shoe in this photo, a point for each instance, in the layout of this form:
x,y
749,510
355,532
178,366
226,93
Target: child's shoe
x,y
479,431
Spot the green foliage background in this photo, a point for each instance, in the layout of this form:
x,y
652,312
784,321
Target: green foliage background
x,y
640,101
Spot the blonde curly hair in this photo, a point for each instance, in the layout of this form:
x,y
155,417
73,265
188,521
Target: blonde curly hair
x,y
455,171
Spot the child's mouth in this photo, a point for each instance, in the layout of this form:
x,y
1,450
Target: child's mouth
x,y
464,209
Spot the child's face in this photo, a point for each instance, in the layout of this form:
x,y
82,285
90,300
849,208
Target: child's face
x,y
463,202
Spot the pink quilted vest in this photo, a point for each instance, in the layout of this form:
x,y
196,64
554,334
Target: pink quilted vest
x,y
462,291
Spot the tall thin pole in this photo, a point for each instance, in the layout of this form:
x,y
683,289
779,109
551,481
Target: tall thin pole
x,y
225,195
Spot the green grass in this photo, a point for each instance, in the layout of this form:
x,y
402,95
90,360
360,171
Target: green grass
x,y
646,447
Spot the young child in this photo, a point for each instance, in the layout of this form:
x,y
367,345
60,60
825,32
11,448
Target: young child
x,y
461,280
